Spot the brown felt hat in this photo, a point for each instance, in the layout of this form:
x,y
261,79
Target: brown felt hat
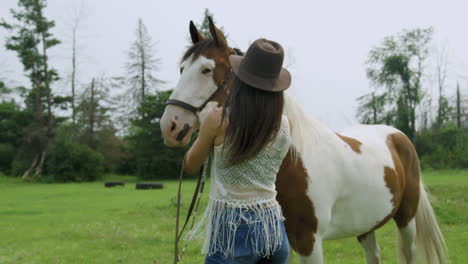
x,y
261,67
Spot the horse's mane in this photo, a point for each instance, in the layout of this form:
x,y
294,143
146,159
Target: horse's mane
x,y
304,130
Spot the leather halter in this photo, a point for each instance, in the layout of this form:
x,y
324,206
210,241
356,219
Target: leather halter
x,y
195,109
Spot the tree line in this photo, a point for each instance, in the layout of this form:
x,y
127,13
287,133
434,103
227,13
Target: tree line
x,y
111,124
397,69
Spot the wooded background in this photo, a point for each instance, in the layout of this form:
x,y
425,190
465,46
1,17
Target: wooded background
x,y
111,124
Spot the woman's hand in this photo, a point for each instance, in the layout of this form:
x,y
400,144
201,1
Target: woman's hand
x,y
210,106
210,128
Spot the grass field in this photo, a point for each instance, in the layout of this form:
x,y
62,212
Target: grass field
x,y
87,223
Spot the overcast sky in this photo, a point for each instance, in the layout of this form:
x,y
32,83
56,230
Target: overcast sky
x,y
326,42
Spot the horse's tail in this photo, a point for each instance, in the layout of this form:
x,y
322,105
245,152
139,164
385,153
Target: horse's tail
x,y
430,242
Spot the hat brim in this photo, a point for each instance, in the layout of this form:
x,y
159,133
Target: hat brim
x,y
281,83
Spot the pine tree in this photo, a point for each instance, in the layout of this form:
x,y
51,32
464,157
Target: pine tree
x,y
31,40
141,69
204,27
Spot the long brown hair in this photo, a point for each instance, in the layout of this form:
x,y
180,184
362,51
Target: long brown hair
x,y
254,119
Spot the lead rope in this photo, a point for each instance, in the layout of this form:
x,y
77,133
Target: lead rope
x,y
193,208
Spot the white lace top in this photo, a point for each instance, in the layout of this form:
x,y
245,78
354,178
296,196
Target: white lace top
x,y
248,186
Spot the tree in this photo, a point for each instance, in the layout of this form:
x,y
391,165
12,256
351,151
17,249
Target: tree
x,y
458,106
443,148
141,69
443,110
31,40
4,89
204,27
397,66
372,109
94,120
75,27
460,109
13,124
93,111
150,158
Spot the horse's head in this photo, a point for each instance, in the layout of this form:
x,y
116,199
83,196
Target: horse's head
x,y
204,71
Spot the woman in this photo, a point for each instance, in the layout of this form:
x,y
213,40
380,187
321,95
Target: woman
x,y
250,138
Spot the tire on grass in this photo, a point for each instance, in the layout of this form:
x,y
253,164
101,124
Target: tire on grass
x,y
113,184
148,185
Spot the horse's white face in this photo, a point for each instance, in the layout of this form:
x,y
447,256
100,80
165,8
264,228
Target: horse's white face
x,y
195,86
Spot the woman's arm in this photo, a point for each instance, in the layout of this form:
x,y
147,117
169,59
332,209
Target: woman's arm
x,y
209,129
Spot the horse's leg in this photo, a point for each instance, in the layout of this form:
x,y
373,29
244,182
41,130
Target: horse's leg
x,y
371,248
316,257
407,243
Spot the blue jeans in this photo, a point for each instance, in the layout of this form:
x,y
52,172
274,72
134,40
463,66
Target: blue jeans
x,y
243,253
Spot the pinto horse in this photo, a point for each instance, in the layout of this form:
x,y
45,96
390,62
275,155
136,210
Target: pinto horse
x,y
330,185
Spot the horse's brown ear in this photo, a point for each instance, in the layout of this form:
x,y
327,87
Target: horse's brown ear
x,y
195,34
217,35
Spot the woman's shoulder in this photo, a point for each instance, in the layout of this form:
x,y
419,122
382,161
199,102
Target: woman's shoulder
x,y
215,122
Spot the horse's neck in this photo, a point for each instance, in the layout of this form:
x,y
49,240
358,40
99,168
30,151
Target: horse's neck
x,y
307,134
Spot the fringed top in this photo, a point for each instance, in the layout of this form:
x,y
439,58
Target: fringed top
x,y
245,195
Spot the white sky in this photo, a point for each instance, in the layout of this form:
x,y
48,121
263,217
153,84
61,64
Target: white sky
x,y
326,41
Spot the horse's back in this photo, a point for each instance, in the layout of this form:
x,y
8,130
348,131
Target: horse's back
x,y
369,133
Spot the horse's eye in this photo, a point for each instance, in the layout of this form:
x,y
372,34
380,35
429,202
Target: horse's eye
x,y
181,70
205,71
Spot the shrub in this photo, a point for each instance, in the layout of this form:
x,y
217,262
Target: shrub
x,y
69,161
7,152
19,167
443,148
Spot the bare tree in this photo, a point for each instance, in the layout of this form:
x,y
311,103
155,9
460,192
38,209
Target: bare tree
x,y
93,110
441,75
461,109
458,107
141,68
76,21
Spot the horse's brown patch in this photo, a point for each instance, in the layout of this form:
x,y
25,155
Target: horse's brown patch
x,y
301,222
407,163
403,181
222,69
353,143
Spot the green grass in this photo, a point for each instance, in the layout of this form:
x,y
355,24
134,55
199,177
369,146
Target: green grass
x,y
87,223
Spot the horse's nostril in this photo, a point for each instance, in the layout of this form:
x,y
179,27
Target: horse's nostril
x,y
183,132
173,126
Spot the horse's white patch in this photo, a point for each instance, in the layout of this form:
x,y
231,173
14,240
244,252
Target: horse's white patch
x,y
194,86
348,190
